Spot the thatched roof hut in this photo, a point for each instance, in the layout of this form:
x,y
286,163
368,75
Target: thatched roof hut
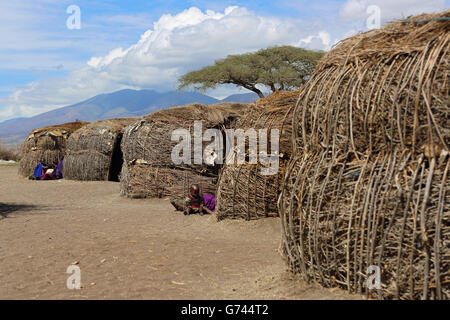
x,y
93,152
243,192
149,170
367,185
46,145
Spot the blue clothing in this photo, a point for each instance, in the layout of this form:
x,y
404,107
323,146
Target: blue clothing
x,y
38,171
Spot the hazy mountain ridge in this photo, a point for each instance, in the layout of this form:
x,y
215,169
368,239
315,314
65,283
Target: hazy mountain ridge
x,y
123,103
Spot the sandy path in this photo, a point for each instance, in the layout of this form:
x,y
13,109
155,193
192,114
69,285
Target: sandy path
x,y
133,249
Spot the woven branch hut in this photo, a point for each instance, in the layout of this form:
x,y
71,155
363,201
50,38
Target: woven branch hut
x,y
367,185
149,171
93,152
243,192
46,145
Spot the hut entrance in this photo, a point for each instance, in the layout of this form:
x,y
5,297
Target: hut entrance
x,y
116,161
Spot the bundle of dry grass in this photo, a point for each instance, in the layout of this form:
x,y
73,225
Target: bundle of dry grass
x,y
46,145
93,152
243,192
367,185
147,146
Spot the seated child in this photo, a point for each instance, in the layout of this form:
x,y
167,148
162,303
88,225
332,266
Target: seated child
x,y
197,202
194,202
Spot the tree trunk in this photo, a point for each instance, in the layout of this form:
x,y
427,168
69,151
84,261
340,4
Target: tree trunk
x,y
272,87
257,91
247,86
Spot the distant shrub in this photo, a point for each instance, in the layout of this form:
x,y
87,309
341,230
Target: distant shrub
x,y
8,153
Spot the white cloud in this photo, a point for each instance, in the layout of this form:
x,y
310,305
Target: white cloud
x,y
176,44
97,62
187,41
320,41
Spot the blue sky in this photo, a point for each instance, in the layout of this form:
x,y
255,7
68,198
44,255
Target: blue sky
x,y
148,44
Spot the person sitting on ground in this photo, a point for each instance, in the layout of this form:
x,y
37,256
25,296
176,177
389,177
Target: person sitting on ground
x,y
209,204
196,202
48,173
58,170
37,173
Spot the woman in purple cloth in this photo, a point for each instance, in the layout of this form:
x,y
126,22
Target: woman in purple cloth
x,y
209,203
197,202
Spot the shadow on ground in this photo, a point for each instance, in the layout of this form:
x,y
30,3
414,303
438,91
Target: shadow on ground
x,y
7,208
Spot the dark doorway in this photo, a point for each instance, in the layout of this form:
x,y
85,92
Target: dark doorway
x,y
116,161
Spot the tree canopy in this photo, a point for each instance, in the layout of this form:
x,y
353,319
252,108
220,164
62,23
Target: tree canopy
x,y
278,68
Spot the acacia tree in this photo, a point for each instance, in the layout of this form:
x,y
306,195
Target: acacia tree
x,y
278,68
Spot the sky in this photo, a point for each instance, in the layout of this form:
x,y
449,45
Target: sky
x,y
46,63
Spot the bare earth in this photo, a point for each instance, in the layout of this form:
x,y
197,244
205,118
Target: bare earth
x,y
133,249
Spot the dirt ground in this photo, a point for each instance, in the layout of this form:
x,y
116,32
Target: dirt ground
x,y
133,249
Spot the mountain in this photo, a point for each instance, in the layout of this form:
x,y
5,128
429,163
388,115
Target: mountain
x,y
11,120
243,98
123,103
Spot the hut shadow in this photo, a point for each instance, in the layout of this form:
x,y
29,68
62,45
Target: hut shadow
x,y
8,208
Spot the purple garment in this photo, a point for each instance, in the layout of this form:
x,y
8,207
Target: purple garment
x,y
209,201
